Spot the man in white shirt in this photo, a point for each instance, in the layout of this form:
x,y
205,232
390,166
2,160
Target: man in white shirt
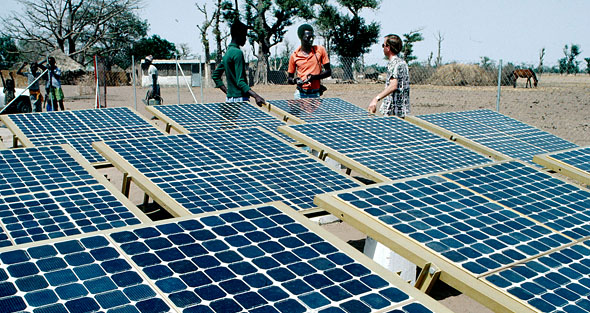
x,y
154,91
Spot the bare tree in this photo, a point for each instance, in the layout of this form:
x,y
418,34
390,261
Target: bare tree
x,y
439,39
72,26
204,29
541,57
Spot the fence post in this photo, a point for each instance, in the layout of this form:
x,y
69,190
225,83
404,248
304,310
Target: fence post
x,y
499,85
177,79
134,83
201,78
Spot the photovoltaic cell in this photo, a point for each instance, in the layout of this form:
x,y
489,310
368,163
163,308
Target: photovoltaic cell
x,y
256,260
464,227
217,170
391,146
499,132
219,116
578,158
507,224
320,109
81,128
557,282
86,275
45,193
548,200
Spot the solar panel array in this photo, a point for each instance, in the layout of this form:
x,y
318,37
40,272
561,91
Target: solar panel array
x,y
248,260
388,146
506,223
80,128
196,118
499,132
226,169
45,193
319,109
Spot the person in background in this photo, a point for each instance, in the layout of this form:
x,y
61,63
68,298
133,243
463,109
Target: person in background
x,y
154,89
54,93
307,62
396,95
234,67
9,88
34,90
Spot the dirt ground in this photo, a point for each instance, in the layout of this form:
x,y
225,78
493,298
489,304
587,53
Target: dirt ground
x,y
560,105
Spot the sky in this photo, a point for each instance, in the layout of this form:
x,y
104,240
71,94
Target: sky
x,y
512,30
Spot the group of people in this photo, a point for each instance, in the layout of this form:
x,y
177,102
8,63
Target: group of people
x,y
308,65
54,92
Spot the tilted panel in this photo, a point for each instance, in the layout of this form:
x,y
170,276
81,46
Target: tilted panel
x,y
197,118
46,193
548,200
318,110
83,275
257,260
386,146
80,128
507,234
574,163
499,132
217,170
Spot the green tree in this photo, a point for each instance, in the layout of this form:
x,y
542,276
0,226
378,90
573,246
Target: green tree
x,y
569,64
8,52
158,47
408,48
350,36
587,65
75,27
269,19
117,45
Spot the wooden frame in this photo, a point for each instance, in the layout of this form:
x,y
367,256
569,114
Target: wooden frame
x,y
284,115
457,138
326,151
563,168
170,123
130,173
390,277
452,274
18,135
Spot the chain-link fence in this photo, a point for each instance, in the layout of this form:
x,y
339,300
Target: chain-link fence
x,y
190,74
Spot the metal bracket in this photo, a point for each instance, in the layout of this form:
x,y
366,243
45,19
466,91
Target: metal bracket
x,y
428,276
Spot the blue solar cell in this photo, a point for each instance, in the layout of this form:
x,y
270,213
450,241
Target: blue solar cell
x,y
499,132
219,116
81,128
260,274
77,279
320,109
375,142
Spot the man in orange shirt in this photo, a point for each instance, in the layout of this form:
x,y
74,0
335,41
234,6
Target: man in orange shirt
x,y
308,61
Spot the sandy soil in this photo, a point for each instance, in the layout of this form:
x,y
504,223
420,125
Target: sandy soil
x,y
560,105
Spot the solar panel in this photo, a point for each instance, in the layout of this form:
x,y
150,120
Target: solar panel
x,y
217,170
195,118
317,110
82,275
385,148
497,132
557,282
79,128
574,163
259,260
46,193
483,223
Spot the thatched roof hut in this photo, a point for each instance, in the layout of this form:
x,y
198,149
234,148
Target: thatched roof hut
x,y
64,62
